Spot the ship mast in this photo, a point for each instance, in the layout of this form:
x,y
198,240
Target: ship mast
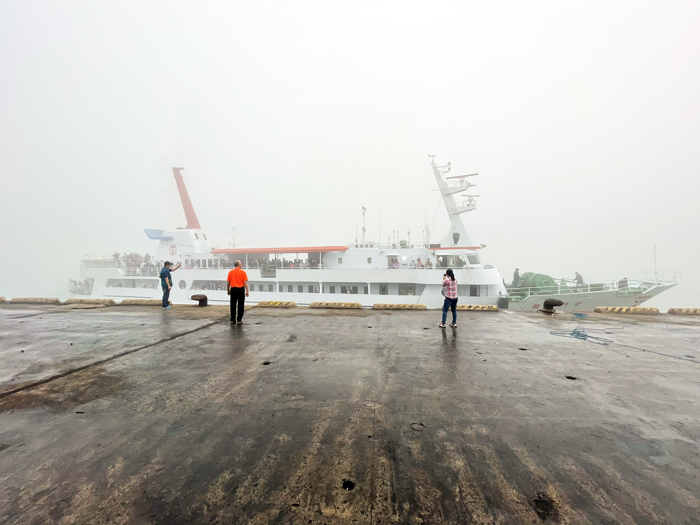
x,y
364,229
450,186
190,215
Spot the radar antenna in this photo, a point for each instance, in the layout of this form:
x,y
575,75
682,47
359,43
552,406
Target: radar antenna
x,y
450,186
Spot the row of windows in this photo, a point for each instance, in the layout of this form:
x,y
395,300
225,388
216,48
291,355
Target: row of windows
x,y
300,288
403,289
473,290
457,261
132,283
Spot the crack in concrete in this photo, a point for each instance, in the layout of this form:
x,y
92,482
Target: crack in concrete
x,y
373,459
72,371
23,316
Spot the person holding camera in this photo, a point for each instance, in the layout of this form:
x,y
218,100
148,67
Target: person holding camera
x,y
449,290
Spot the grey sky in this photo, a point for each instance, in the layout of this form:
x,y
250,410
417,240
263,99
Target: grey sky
x,y
582,119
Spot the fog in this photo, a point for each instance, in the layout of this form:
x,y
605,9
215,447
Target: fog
x,y
581,118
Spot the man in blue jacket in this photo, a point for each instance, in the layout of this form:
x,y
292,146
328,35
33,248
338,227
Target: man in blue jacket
x,y
166,281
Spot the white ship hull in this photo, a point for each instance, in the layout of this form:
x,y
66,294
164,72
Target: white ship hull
x,y
484,284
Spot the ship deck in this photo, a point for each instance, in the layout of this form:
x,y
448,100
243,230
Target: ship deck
x,y
139,415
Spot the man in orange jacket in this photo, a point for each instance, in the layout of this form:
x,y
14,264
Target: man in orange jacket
x,y
237,287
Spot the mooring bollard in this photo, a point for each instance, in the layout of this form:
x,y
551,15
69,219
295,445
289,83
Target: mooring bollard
x,y
201,298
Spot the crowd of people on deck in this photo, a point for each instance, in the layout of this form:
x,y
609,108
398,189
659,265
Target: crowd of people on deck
x,y
284,263
419,264
137,264
293,263
135,260
83,287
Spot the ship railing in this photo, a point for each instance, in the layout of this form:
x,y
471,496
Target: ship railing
x,y
569,286
102,263
661,276
527,291
645,278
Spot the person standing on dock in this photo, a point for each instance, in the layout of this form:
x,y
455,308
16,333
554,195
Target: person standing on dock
x,y
237,287
516,277
449,290
166,282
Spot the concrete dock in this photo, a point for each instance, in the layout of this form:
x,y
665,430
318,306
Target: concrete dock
x,y
136,415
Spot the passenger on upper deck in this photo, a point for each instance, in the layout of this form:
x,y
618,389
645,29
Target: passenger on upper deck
x,y
429,264
419,264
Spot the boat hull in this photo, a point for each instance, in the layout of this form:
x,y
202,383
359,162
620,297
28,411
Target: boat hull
x,y
588,301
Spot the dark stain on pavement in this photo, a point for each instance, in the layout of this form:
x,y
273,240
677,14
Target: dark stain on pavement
x,y
68,392
545,507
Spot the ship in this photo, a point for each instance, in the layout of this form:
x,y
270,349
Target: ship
x,y
364,272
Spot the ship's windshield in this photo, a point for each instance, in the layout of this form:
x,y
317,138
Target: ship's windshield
x,y
457,261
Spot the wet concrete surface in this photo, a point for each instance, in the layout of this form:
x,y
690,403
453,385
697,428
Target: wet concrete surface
x,y
36,344
339,417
